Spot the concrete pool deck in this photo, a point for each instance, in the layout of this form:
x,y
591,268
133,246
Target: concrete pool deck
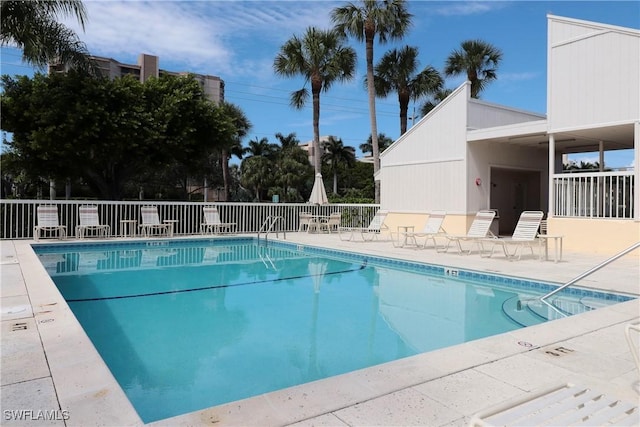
x,y
50,369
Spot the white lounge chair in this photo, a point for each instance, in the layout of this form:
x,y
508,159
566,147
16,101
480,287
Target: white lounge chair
x,y
563,405
523,236
213,224
478,231
373,231
431,229
89,221
48,222
151,222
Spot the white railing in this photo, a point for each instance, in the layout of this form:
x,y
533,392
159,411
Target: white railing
x,y
594,195
18,217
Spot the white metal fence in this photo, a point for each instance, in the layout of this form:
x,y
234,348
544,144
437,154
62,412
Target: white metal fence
x,y
18,217
595,195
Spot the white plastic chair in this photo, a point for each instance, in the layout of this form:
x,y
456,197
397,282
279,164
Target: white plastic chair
x,y
151,222
479,230
212,222
431,229
375,228
524,235
48,222
90,221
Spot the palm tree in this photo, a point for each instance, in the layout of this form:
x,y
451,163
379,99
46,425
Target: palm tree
x,y
288,141
337,154
261,148
434,100
478,59
387,19
32,27
233,147
396,72
321,58
383,142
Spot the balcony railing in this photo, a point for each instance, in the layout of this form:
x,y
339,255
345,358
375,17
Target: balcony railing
x,y
18,217
595,195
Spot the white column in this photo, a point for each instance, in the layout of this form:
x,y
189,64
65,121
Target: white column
x,y
636,170
552,171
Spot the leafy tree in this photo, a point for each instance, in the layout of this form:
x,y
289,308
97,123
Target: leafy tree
x,y
32,27
383,142
108,132
396,71
386,19
256,172
434,100
478,60
338,156
292,169
321,58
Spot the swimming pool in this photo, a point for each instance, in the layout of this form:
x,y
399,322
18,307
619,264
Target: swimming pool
x,y
185,325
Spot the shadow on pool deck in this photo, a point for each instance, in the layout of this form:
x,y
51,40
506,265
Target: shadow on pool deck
x,y
48,363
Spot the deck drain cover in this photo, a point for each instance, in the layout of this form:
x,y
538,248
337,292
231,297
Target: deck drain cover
x,y
558,351
20,326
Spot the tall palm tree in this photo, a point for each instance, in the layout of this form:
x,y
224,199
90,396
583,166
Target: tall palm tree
x,y
337,154
396,71
434,100
478,59
32,27
233,147
321,58
383,142
386,19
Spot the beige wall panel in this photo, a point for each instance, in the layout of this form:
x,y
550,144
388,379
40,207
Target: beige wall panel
x,y
606,237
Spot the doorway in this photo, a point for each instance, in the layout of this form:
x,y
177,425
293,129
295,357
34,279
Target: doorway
x,y
512,192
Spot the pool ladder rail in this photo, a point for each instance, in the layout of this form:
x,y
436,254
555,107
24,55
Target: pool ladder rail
x,y
267,227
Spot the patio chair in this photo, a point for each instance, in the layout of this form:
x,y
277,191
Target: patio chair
x,y
89,221
523,236
563,405
431,229
332,223
373,231
478,231
212,222
48,222
305,221
150,222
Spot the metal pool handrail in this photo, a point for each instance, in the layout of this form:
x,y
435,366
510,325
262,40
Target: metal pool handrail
x,y
592,270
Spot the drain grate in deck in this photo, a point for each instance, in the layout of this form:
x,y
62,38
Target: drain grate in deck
x,y
19,326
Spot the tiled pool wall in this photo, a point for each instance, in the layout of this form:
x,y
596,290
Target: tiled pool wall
x,y
433,269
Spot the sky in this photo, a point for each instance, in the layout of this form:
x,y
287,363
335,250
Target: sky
x,y
238,41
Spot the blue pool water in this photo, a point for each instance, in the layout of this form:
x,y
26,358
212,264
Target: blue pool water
x,y
185,325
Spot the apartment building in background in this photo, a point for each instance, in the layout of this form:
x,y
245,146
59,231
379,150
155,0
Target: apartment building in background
x,y
149,66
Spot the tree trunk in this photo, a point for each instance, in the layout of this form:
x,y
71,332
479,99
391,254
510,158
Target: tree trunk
x,y
316,86
226,175
372,110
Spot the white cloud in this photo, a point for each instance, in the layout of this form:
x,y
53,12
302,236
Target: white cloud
x,y
204,36
457,8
